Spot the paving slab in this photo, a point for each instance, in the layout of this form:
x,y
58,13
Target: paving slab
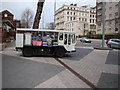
x,y
94,64
64,79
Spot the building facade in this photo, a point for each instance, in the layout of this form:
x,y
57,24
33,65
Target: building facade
x,y
110,13
7,29
17,23
93,20
81,20
78,21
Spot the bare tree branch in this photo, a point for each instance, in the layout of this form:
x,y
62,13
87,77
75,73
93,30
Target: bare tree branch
x,y
27,18
50,26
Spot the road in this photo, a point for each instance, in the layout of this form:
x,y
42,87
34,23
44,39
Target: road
x,y
92,44
98,67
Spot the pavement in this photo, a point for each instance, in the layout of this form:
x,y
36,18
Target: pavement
x,y
1,46
4,45
100,67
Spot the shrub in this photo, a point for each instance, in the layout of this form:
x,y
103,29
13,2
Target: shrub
x,y
99,36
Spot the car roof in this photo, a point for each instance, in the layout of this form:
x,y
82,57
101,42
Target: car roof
x,y
114,39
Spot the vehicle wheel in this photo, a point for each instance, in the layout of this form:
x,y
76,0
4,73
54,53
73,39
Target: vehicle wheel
x,y
27,51
16,49
59,53
109,45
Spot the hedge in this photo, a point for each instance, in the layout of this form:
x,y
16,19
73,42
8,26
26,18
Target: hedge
x,y
99,36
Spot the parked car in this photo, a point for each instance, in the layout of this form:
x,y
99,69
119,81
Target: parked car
x,y
113,43
85,39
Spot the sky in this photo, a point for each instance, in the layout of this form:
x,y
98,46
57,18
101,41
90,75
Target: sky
x,y
18,6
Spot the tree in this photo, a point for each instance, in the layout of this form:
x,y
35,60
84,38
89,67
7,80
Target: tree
x,y
27,18
38,14
50,26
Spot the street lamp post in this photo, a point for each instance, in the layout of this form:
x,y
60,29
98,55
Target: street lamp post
x,y
103,25
116,29
103,29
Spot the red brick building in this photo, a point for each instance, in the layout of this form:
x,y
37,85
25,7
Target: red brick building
x,y
8,29
17,23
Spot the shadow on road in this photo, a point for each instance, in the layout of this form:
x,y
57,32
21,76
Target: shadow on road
x,y
22,73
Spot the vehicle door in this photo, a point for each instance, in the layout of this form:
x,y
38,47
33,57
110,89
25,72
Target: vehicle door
x,y
73,37
116,44
113,43
73,41
67,41
61,39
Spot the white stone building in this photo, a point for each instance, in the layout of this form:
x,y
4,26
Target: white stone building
x,y
111,11
93,20
77,19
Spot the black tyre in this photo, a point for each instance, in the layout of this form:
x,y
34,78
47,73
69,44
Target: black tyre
x,y
16,49
59,52
27,51
109,46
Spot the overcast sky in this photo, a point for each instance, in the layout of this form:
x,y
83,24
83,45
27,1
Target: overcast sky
x,y
18,6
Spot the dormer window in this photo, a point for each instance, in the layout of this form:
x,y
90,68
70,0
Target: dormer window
x,y
5,15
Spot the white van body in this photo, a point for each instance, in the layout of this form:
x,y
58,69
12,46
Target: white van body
x,y
19,40
65,40
28,38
